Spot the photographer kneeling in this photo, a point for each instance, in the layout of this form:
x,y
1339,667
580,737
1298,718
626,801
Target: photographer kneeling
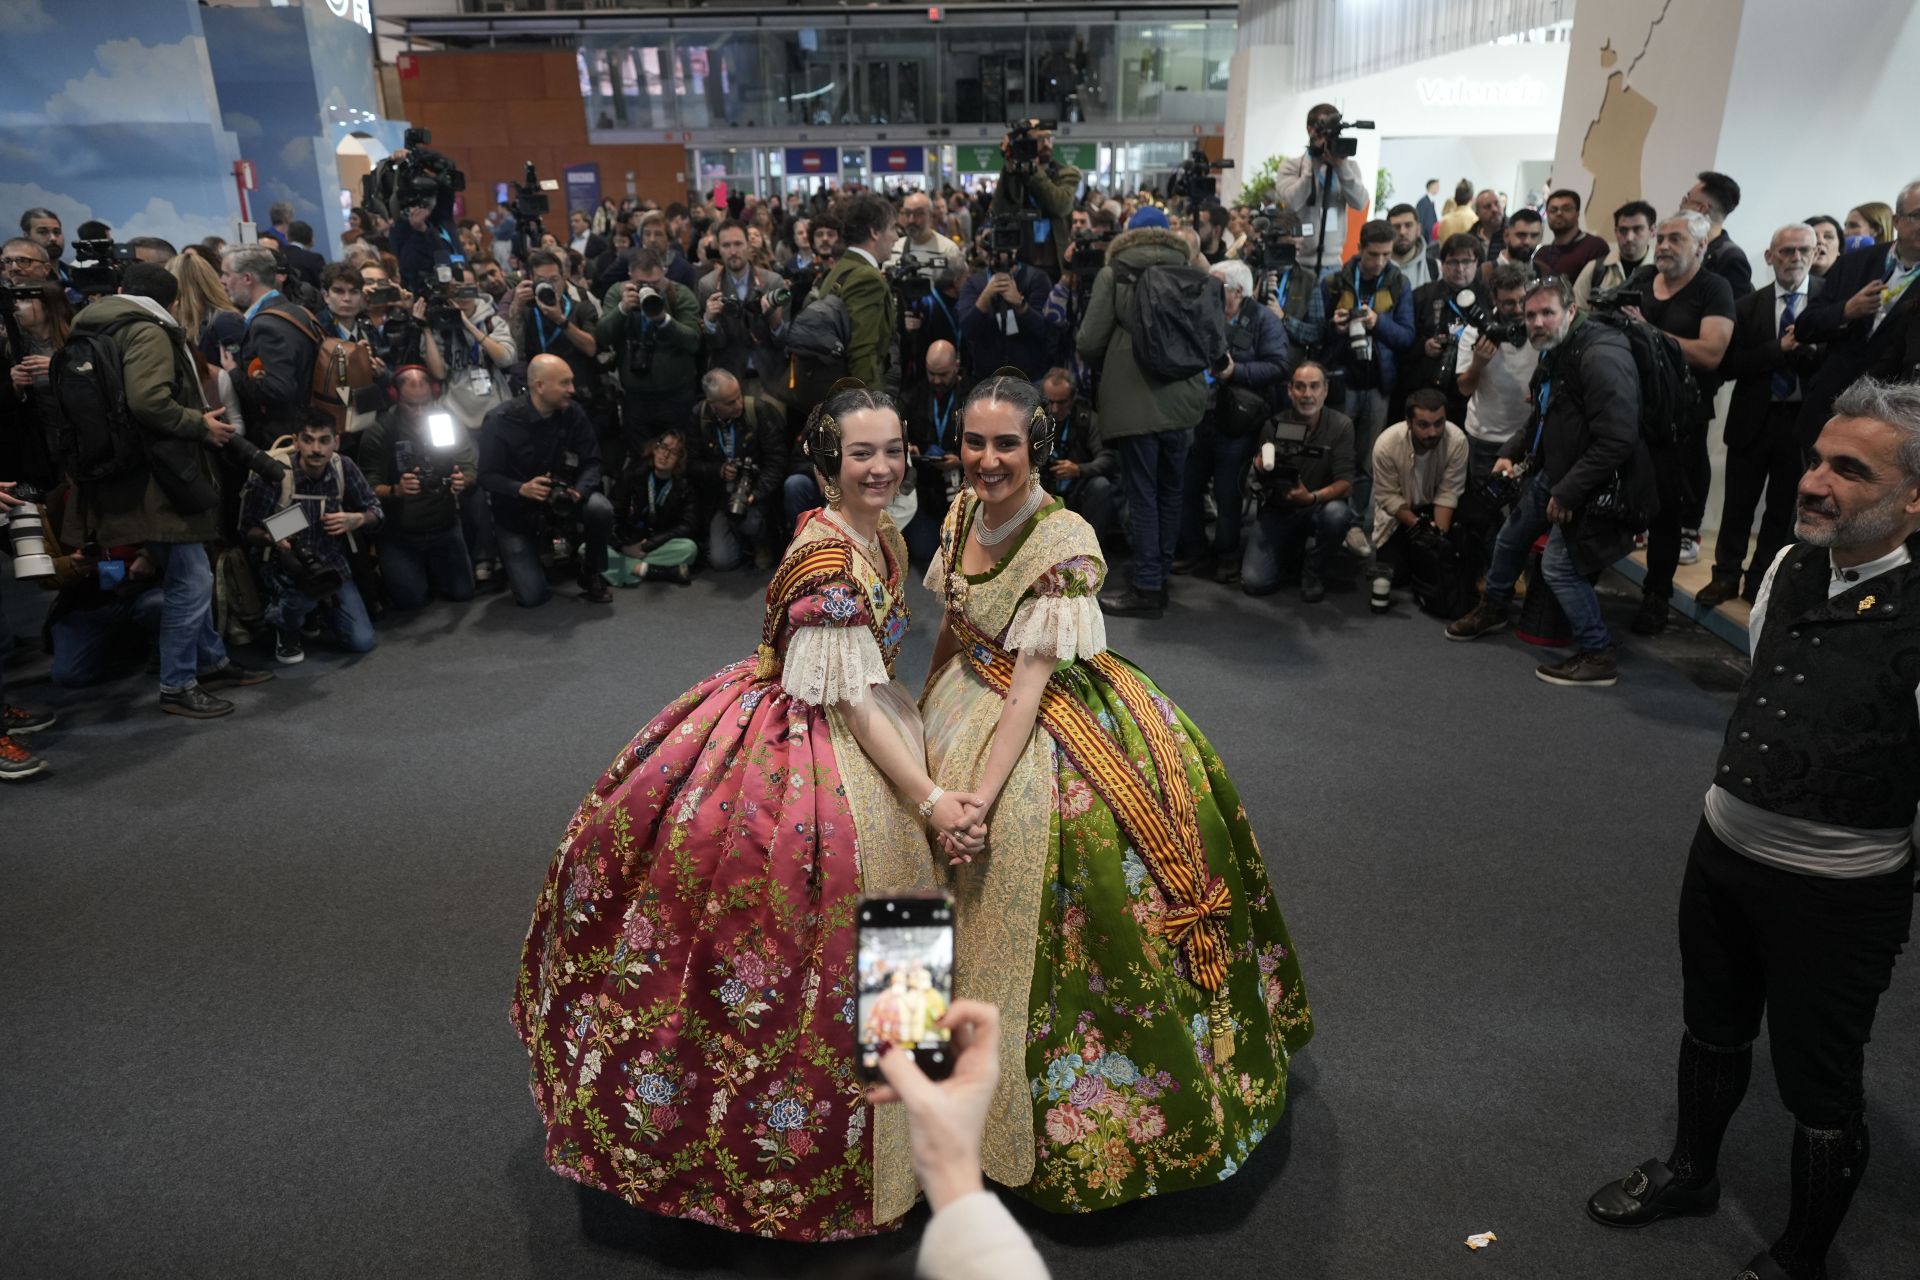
x,y
309,570
1584,477
1419,473
1302,473
420,461
540,465
737,458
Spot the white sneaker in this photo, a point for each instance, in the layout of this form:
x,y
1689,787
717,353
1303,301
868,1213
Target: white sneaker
x,y
1357,543
1689,546
483,572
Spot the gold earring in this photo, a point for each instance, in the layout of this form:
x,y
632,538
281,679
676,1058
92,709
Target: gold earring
x,y
832,490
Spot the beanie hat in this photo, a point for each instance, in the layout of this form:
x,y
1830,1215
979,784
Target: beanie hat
x,y
1148,217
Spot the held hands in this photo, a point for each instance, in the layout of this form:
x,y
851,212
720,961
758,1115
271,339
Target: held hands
x,y
959,818
946,1119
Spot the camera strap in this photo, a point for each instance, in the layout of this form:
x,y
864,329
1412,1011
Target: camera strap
x,y
540,322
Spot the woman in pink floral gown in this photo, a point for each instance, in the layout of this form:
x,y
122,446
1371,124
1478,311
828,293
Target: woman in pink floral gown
x,y
687,990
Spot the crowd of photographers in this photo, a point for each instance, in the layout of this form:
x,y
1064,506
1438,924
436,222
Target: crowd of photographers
x,y
249,443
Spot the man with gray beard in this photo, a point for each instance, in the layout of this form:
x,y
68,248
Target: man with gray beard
x,y
1798,891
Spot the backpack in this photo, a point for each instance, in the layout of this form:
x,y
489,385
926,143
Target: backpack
x,y
1669,397
822,331
283,452
1177,319
97,438
340,368
1442,582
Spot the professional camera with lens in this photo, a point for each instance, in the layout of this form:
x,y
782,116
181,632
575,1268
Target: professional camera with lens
x,y
1194,179
1023,145
1616,299
1006,236
383,295
1272,248
422,465
562,506
296,560
255,459
27,535
740,492
98,266
1089,254
1510,333
1329,142
1503,490
1280,460
908,282
545,294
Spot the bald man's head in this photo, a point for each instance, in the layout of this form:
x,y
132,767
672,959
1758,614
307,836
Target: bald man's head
x,y
549,384
943,366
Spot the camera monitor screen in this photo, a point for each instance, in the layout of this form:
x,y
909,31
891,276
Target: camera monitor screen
x,y
906,979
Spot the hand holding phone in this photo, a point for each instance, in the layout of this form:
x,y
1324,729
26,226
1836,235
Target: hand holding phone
x,y
903,959
946,1120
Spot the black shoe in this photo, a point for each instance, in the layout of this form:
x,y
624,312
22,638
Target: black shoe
x,y
234,674
1718,592
1649,1194
1763,1267
1652,618
195,704
287,649
1131,602
596,592
18,722
1485,618
1312,589
1228,575
1201,565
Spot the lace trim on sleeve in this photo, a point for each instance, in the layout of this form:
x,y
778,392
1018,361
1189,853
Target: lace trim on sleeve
x,y
936,579
825,665
1062,627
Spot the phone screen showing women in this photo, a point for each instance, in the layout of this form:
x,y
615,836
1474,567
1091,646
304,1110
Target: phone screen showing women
x,y
906,980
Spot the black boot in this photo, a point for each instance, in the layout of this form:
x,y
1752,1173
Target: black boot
x,y
1827,1164
1131,602
1651,619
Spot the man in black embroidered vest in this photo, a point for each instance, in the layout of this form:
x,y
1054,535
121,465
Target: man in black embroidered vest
x,y
1799,886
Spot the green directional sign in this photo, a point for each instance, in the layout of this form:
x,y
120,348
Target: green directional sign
x,y
984,157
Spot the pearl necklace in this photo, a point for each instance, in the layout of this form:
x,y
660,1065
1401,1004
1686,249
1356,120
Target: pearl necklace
x,y
991,537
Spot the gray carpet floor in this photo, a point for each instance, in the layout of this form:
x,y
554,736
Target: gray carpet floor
x,y
256,971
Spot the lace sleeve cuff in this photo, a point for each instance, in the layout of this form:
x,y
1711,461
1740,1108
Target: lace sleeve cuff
x,y
1062,627
824,665
936,579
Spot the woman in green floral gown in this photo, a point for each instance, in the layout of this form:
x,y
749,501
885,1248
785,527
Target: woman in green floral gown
x,y
1121,913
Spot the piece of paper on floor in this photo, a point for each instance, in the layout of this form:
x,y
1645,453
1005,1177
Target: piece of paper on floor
x,y
1482,1240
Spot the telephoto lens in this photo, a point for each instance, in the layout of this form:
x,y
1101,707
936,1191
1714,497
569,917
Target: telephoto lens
x,y
1381,597
27,536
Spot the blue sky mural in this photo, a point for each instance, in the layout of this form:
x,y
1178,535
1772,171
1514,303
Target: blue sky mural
x,y
113,110
125,129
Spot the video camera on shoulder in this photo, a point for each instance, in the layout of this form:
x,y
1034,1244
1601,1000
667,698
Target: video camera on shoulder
x,y
413,178
1272,247
1616,299
99,266
1329,139
907,280
1023,145
1089,254
1194,179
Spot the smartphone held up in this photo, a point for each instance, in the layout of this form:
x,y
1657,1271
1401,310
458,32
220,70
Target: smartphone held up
x,y
904,958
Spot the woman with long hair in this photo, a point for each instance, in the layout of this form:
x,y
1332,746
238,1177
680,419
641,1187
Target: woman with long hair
x,y
1121,912
207,315
1867,223
688,987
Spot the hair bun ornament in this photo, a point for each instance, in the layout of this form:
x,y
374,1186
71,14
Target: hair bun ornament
x,y
1012,371
844,384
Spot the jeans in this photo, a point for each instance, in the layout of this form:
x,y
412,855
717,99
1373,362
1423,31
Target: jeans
x,y
346,614
188,641
1223,462
1280,524
1368,409
476,526
1154,468
1570,587
520,552
414,565
85,640
799,495
730,541
1092,499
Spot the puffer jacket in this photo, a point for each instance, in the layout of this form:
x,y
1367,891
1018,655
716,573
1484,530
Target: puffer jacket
x,y
1131,403
164,395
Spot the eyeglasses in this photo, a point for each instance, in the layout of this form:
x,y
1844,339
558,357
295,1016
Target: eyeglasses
x,y
1910,213
24,262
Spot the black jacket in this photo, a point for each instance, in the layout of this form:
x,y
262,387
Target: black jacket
x,y
275,378
419,251
1753,357
1729,261
1434,317
305,263
1854,347
1591,433
760,436
653,516
517,444
434,508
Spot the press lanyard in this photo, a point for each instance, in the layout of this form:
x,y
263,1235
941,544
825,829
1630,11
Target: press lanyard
x,y
940,417
1546,394
730,439
540,321
655,492
947,311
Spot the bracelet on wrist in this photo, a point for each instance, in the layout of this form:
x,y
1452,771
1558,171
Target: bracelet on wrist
x,y
933,798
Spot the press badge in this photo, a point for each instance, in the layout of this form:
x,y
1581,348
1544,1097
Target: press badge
x,y
480,382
